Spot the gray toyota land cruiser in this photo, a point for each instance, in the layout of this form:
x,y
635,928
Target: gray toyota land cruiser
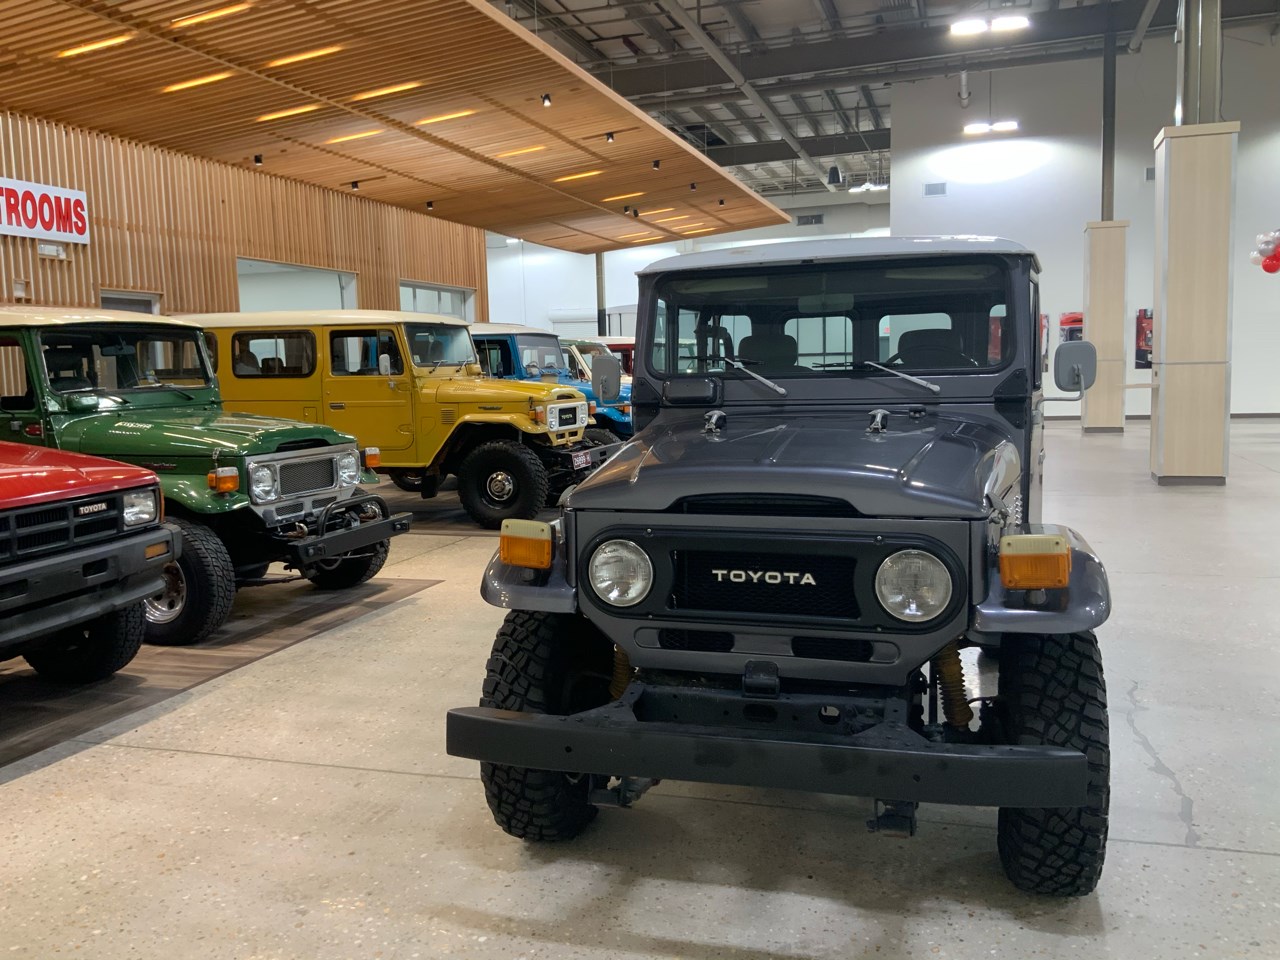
x,y
834,488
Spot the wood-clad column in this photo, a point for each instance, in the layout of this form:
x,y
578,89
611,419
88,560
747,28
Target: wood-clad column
x,y
1104,310
1191,346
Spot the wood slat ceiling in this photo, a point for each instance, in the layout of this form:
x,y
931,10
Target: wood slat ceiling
x,y
459,55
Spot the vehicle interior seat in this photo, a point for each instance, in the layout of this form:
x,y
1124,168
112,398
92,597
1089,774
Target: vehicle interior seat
x,y
272,367
771,353
66,369
933,348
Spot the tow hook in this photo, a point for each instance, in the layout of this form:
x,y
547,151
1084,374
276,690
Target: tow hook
x,y
627,792
894,818
297,533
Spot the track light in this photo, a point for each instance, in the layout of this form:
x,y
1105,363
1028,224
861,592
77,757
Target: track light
x,y
257,159
635,211
626,209
722,201
431,205
608,138
657,164
546,99
693,186
355,184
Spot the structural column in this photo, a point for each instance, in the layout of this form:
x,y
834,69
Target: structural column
x,y
1104,311
1191,359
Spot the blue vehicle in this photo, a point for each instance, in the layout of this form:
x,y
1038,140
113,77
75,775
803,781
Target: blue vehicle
x,y
516,352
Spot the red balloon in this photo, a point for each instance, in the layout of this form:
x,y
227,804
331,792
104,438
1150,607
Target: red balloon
x,y
1271,264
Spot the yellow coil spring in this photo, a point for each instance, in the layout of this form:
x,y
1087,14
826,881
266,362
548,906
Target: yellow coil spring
x,y
621,673
951,684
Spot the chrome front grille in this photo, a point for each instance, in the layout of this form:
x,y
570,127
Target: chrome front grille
x,y
305,476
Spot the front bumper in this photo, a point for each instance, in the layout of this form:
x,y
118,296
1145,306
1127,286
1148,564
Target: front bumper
x,y
330,543
888,761
572,464
44,595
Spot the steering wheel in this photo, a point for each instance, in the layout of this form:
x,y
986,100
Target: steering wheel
x,y
935,356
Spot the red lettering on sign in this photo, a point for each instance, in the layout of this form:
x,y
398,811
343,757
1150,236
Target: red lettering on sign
x,y
12,213
29,209
79,223
62,214
44,209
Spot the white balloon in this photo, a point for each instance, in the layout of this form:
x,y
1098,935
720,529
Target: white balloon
x,y
1262,238
1255,258
1267,248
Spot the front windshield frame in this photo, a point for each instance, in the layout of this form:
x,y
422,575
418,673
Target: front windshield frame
x,y
78,344
981,317
457,336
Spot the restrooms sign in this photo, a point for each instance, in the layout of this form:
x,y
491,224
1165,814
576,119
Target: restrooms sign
x,y
47,213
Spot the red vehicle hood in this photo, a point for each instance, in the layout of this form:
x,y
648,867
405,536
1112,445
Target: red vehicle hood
x,y
34,475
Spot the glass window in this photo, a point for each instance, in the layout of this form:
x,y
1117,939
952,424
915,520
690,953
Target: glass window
x,y
436,298
211,347
355,353
433,344
273,353
541,351
15,385
119,357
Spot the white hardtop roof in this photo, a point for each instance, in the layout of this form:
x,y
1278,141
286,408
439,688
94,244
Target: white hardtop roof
x,y
480,328
848,248
23,316
312,318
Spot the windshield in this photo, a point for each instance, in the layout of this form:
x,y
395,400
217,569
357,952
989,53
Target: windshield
x,y
541,351
123,357
433,344
836,320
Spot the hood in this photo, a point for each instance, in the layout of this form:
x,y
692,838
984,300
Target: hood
x,y
935,466
205,433
489,390
33,475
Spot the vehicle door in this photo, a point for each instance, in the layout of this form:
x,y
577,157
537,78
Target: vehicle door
x,y
20,403
367,388
271,372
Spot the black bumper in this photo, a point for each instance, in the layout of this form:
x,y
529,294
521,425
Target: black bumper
x,y
888,761
336,542
44,595
577,460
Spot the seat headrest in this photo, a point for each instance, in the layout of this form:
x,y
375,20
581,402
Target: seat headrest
x,y
63,358
769,349
914,342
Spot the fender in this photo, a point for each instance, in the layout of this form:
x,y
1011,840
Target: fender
x,y
1083,605
194,494
513,588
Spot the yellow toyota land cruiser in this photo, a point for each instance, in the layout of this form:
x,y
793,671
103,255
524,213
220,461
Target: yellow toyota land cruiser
x,y
409,384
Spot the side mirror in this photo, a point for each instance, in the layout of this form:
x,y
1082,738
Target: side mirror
x,y
384,365
1075,366
606,378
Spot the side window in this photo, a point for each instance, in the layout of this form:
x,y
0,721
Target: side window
x,y
355,353
1041,358
15,384
211,347
273,353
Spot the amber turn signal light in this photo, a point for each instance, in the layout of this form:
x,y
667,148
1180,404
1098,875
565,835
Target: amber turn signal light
x,y
1035,561
372,458
155,550
525,543
224,480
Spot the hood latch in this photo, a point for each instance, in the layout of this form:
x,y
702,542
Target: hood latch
x,y
879,421
714,421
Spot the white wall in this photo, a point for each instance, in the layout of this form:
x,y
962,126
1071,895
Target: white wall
x,y
278,286
1041,185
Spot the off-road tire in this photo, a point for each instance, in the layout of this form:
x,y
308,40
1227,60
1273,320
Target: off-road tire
x,y
91,651
548,663
1052,692
211,588
351,571
517,462
601,435
408,480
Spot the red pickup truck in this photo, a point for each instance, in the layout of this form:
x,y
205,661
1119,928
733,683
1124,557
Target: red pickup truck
x,y
82,543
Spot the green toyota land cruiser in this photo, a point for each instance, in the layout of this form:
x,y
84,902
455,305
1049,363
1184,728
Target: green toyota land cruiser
x,y
244,491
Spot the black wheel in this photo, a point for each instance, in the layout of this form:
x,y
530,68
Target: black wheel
x,y
355,568
601,435
410,480
544,663
502,480
91,651
199,590
1052,692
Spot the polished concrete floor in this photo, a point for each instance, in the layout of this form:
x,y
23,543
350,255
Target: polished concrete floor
x,y
302,806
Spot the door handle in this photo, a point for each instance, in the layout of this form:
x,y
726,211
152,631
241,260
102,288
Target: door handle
x,y
337,406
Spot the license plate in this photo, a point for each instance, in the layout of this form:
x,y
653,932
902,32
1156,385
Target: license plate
x,y
582,460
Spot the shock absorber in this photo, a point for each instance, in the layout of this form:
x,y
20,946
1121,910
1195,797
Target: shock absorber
x,y
955,707
621,672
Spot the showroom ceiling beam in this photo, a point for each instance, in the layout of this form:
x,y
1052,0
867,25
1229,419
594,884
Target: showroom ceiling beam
x,y
772,151
876,119
565,31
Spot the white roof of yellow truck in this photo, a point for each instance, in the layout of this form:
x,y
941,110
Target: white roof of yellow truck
x,y
315,318
31,316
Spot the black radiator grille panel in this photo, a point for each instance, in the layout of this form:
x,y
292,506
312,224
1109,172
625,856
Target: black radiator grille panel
x,y
832,648
781,585
703,641
46,529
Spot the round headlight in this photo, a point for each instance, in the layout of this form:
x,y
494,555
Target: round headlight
x,y
348,469
620,573
913,585
262,483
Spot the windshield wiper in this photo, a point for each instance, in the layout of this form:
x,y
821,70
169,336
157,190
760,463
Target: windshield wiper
x,y
166,386
741,365
932,387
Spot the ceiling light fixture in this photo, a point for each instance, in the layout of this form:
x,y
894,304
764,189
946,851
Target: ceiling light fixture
x,y
977,128
1010,23
693,186
645,239
833,176
657,164
722,201
348,137
197,82
257,159
608,138
642,233
1004,126
623,196
387,91
300,57
690,233
635,212
578,176
97,45
516,153
683,216
355,184
290,112
456,115
208,15
431,205
546,99
650,213
686,226
981,127
968,28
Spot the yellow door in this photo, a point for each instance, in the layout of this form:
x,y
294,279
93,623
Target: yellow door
x,y
367,388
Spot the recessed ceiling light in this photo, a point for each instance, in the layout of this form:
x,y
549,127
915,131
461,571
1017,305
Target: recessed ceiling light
x,y
299,57
1010,23
456,115
387,91
690,233
623,196
967,28
686,226
646,239
97,45
347,137
650,213
197,82
517,153
642,233
207,15
578,176
290,112
657,164
683,216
